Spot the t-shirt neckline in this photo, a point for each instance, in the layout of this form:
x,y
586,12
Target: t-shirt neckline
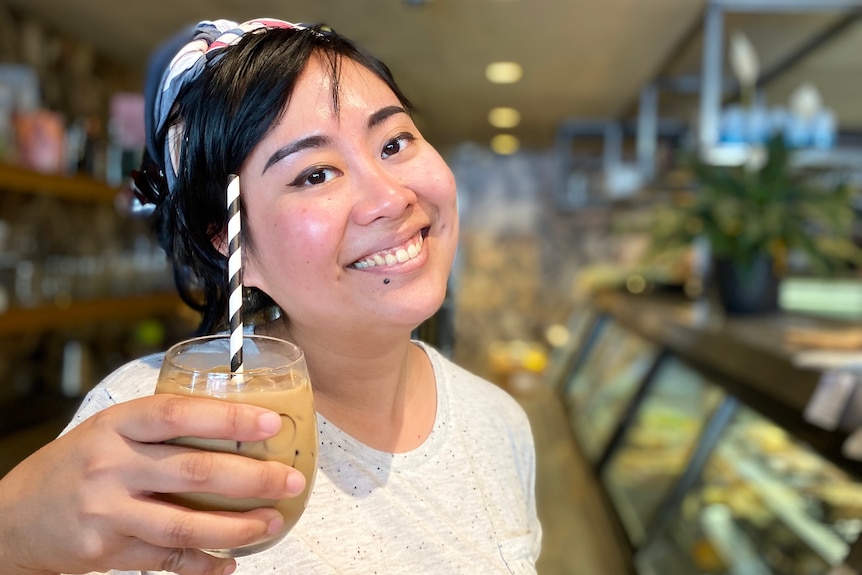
x,y
333,436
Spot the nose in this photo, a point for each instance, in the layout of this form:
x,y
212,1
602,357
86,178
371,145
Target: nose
x,y
381,194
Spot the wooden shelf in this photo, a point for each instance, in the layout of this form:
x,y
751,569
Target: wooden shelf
x,y
48,318
78,187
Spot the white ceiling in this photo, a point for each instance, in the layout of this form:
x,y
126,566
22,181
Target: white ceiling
x,y
581,58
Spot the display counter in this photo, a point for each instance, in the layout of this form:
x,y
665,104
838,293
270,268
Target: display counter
x,y
700,429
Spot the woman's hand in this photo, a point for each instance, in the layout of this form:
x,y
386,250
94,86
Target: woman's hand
x,y
84,502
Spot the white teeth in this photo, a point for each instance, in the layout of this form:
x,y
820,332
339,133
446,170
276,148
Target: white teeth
x,y
400,255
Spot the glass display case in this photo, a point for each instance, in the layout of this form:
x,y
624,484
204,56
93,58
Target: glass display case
x,y
695,427
566,352
765,503
655,449
603,384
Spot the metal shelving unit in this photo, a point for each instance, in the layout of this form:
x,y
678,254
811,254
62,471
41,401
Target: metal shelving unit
x,y
712,89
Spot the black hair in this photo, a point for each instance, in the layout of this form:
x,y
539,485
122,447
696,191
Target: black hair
x,y
226,112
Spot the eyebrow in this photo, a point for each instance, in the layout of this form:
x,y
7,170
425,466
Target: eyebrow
x,y
375,119
294,147
380,115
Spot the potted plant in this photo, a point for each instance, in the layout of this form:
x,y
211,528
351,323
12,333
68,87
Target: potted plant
x,y
754,218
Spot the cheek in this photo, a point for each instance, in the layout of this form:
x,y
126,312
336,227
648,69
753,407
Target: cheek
x,y
444,189
444,177
296,237
266,260
315,234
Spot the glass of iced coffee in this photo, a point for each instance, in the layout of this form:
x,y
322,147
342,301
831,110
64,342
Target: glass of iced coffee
x,y
274,376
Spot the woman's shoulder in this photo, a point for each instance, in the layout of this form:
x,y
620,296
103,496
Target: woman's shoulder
x,y
468,390
137,378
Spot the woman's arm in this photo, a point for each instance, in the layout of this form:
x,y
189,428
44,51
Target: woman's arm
x,y
84,501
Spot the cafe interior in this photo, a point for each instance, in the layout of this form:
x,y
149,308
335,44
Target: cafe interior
x,y
660,252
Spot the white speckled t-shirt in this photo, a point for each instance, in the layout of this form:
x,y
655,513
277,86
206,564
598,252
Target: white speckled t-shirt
x,y
461,503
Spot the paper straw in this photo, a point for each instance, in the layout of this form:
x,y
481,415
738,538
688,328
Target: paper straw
x,y
234,269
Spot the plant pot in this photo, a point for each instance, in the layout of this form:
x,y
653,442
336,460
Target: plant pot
x,y
747,288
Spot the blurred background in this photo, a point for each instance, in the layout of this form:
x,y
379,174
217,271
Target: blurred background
x,y
659,254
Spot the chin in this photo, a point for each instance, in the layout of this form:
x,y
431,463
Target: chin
x,y
413,316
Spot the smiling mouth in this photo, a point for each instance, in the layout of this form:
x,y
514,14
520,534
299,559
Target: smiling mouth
x,y
393,256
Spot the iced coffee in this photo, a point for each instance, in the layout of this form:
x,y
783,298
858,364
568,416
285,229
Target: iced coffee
x,y
274,377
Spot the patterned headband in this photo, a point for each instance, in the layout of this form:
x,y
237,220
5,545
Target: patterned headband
x,y
209,39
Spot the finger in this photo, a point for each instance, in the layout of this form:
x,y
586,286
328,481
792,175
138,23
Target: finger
x,y
172,526
141,556
177,469
163,416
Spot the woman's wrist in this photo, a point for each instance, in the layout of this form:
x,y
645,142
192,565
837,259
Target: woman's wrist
x,y
13,549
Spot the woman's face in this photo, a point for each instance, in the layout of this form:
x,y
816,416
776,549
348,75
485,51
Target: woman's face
x,y
353,215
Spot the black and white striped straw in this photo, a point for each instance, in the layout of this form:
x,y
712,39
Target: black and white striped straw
x,y
234,269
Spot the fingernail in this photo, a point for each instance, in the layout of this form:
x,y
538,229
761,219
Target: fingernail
x,y
295,483
275,526
269,421
229,569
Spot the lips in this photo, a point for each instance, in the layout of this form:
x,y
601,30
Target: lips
x,y
394,255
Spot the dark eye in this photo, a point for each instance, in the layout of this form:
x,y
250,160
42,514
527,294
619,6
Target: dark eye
x,y
314,177
397,144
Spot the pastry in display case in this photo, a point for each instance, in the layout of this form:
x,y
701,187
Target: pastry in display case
x,y
656,448
765,503
603,384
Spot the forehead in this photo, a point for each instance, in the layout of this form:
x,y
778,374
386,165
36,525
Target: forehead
x,y
330,90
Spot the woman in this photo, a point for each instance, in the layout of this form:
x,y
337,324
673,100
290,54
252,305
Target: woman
x,y
350,229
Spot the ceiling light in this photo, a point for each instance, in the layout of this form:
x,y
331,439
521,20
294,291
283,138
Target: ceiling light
x,y
503,72
504,118
505,144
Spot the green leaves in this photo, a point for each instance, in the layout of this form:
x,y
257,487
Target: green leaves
x,y
765,206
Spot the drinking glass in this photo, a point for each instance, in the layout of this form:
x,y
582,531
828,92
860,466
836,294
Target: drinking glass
x,y
274,376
